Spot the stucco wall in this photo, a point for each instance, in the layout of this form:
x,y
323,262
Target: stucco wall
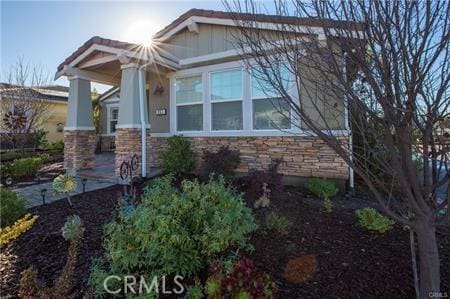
x,y
159,123
55,115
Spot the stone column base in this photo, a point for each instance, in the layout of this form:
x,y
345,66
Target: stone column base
x,y
79,149
128,144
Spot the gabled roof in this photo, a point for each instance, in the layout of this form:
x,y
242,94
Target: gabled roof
x,y
99,41
263,18
200,16
108,93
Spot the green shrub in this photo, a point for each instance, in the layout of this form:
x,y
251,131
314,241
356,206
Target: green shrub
x,y
194,291
243,281
12,206
175,231
73,228
178,157
56,146
223,162
323,189
371,220
277,224
23,167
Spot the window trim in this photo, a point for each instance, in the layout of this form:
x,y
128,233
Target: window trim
x,y
174,94
247,106
252,99
212,102
109,108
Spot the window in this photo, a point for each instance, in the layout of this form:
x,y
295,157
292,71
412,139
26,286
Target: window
x,y
113,118
226,100
189,102
270,111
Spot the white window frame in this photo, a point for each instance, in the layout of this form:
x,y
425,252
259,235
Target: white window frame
x,y
252,99
247,106
109,108
227,100
175,104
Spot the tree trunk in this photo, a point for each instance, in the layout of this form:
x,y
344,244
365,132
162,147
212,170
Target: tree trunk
x,y
429,259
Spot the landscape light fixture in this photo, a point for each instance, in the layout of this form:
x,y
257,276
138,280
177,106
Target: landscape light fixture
x,y
43,193
83,181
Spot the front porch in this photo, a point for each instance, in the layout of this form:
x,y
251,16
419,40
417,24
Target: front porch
x,y
130,67
105,170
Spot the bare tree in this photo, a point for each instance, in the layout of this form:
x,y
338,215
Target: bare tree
x,y
387,65
24,108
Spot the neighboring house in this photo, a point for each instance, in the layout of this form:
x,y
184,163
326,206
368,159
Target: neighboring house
x,y
196,86
56,98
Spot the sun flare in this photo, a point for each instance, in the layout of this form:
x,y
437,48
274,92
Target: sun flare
x,y
140,32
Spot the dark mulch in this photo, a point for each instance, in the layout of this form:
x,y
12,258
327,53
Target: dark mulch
x,y
44,248
352,262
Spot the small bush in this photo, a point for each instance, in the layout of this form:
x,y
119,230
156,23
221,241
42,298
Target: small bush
x,y
371,220
12,206
175,231
73,228
277,224
178,157
300,269
194,291
23,167
244,281
255,180
10,233
56,146
223,162
323,189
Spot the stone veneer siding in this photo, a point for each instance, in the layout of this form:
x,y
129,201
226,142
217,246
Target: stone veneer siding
x,y
79,149
304,156
128,143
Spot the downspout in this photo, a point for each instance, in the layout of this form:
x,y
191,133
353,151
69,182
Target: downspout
x,y
141,74
350,133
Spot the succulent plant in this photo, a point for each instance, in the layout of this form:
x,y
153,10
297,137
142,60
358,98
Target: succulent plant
x,y
64,183
73,228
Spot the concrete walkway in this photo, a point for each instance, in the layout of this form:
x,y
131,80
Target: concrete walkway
x,y
33,197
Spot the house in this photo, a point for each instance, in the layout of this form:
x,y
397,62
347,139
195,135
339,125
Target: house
x,y
190,82
55,98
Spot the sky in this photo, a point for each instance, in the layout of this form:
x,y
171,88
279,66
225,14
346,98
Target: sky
x,y
44,33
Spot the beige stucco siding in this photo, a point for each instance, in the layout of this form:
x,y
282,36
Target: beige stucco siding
x,y
55,115
159,123
324,106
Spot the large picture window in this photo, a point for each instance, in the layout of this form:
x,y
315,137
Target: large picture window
x,y
226,100
189,103
270,110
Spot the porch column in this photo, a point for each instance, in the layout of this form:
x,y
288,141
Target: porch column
x,y
128,129
79,133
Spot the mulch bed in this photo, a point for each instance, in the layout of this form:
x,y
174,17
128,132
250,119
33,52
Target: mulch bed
x,y
44,248
352,263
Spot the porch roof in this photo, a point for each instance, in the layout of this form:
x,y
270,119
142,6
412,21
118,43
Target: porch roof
x,y
103,57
